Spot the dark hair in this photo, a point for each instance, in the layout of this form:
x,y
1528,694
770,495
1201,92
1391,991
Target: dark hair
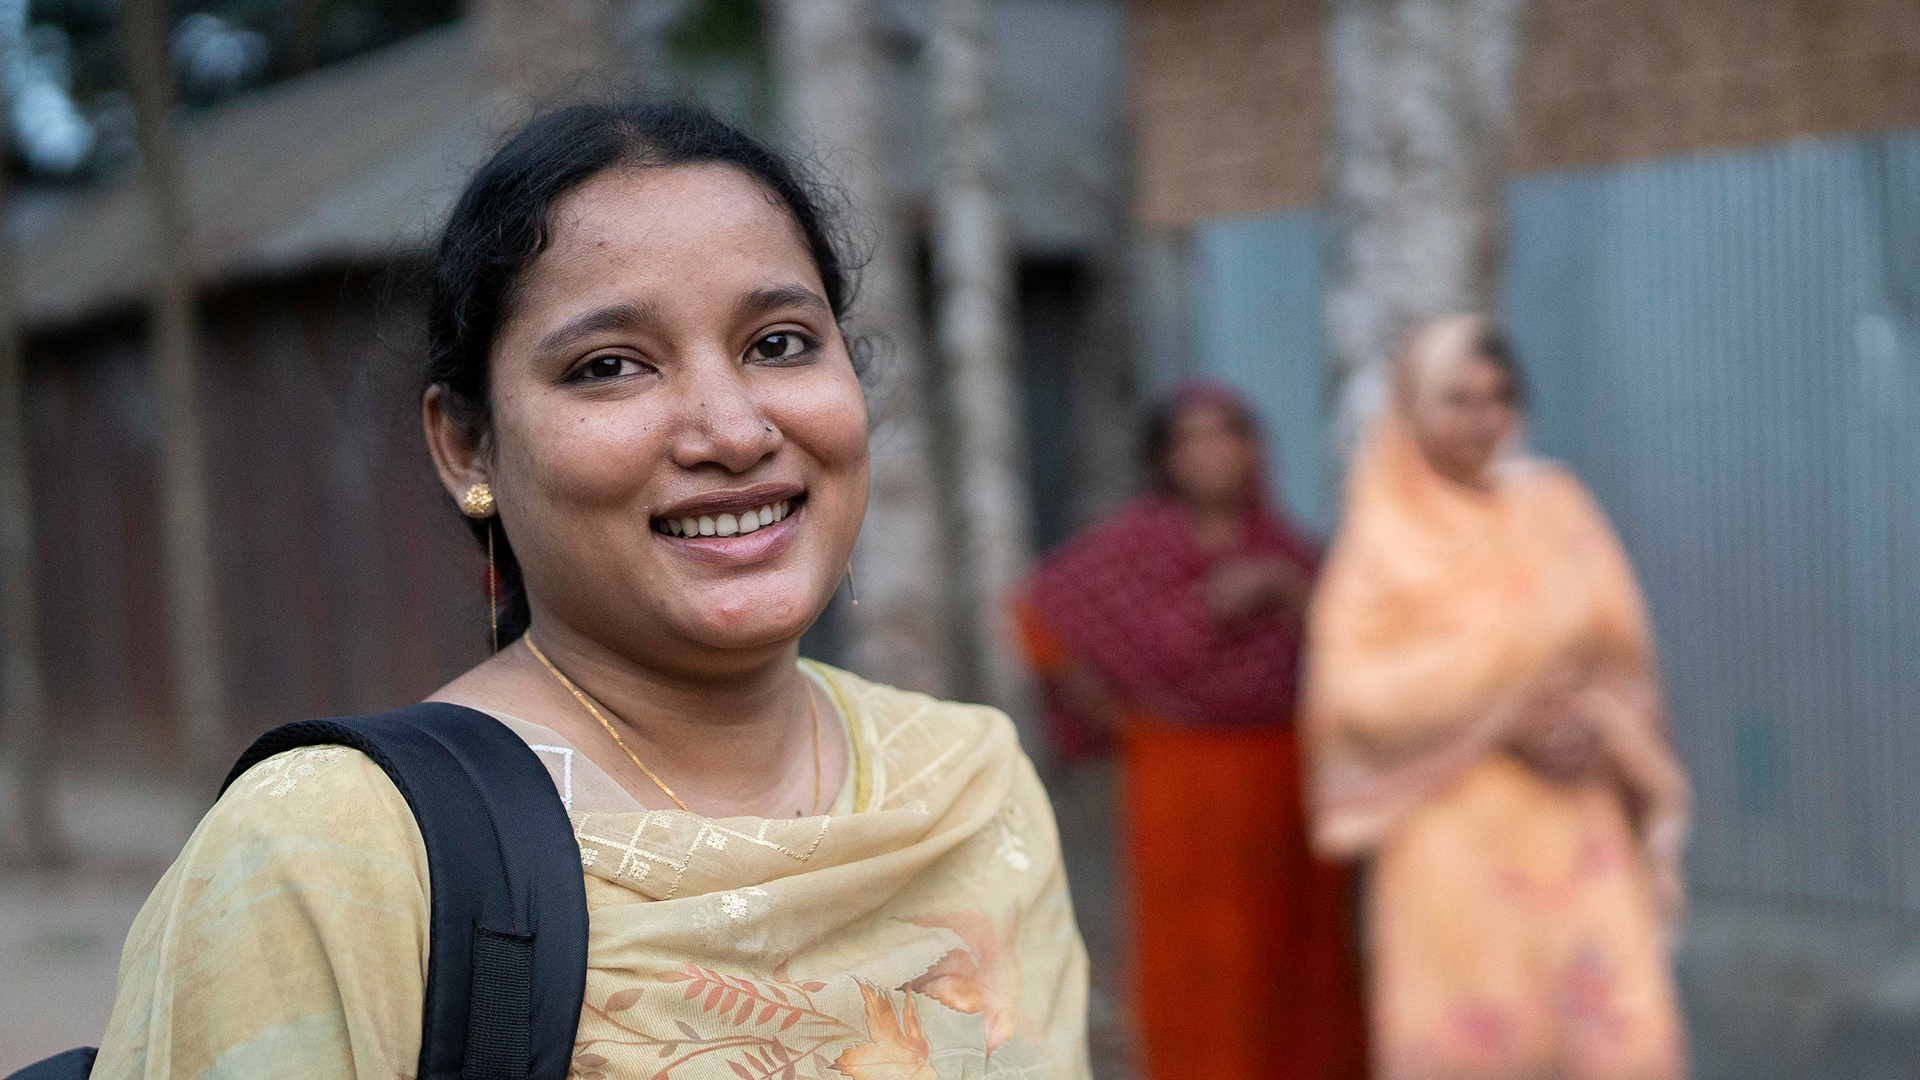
x,y
1497,349
502,222
1156,441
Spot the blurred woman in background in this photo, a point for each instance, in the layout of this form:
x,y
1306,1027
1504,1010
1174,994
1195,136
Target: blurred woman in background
x,y
1174,625
1484,720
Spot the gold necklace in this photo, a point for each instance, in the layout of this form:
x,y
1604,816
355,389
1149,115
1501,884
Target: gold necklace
x,y
813,708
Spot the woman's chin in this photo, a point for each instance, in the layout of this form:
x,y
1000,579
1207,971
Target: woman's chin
x,y
752,623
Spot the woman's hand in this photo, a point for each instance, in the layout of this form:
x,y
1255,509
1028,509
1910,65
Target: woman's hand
x,y
1561,740
1088,693
1240,589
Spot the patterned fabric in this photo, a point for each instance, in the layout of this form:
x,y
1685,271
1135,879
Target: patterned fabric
x,y
920,930
1521,902
1125,595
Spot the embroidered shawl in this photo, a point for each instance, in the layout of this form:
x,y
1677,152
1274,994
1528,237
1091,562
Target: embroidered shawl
x,y
922,929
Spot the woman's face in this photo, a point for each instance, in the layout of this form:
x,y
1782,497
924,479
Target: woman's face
x,y
679,444
1211,457
1464,417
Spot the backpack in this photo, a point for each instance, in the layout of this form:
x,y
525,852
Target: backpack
x,y
507,956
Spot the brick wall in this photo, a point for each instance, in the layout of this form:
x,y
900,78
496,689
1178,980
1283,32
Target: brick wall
x,y
1230,113
1230,105
1614,80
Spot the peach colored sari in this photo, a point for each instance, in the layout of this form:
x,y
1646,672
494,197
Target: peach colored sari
x,y
1520,916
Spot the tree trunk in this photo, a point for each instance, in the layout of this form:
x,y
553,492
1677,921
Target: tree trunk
x,y
1422,108
973,270
32,828
832,89
193,616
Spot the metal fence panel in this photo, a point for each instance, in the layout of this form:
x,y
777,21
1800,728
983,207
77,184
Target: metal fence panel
x,y
1258,284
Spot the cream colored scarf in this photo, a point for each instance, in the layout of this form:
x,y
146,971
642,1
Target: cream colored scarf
x,y
922,929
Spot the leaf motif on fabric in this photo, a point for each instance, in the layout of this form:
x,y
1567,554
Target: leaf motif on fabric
x,y
622,1001
983,978
740,1001
896,1050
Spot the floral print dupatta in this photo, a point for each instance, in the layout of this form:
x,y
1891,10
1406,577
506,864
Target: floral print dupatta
x,y
927,933
921,929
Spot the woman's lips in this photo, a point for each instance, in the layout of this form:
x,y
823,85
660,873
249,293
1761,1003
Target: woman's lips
x,y
763,542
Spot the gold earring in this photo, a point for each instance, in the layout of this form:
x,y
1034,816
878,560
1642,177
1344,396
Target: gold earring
x,y
478,501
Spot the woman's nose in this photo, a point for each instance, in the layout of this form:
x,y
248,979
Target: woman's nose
x,y
724,426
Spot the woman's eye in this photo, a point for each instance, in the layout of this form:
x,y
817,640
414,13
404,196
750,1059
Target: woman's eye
x,y
782,345
608,367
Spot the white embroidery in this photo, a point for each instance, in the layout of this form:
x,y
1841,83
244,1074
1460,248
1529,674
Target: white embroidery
x,y
282,774
729,920
1008,844
566,770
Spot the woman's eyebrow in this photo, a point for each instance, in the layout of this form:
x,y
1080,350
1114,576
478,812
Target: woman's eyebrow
x,y
612,317
761,301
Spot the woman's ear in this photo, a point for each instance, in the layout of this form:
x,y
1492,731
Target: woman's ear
x,y
459,457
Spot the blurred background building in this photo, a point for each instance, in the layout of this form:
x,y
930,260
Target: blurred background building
x,y
1699,220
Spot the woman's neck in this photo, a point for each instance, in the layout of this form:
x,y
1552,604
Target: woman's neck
x,y
1217,524
727,744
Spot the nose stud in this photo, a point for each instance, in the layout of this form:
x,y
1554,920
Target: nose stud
x,y
769,427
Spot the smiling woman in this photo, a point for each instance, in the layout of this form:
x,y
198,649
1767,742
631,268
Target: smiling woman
x,y
639,390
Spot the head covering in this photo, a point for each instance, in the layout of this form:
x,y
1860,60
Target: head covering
x,y
1125,597
1449,612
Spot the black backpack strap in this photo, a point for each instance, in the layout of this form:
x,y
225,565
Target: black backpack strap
x,y
507,963
75,1064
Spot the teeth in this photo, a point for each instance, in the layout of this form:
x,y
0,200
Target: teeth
x,y
728,524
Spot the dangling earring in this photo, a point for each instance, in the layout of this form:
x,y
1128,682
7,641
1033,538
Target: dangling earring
x,y
478,503
852,593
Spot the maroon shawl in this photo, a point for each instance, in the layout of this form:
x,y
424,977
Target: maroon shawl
x,y
1126,597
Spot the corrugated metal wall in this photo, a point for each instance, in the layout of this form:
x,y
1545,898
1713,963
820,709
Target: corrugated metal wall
x,y
1727,348
1258,284
1724,347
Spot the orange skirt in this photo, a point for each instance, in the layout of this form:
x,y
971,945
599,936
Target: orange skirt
x,y
1245,963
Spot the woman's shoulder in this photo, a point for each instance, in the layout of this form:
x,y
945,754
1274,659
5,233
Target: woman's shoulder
x,y
292,927
1549,484
324,793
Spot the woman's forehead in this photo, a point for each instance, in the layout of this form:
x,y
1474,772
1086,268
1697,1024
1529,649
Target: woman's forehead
x,y
671,225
